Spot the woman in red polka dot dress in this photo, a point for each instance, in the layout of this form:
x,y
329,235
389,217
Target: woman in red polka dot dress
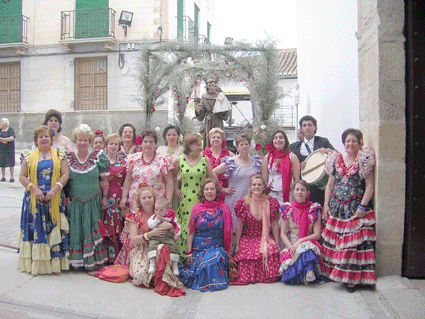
x,y
257,253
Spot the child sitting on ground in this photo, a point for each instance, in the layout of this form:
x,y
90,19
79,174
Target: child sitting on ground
x,y
164,217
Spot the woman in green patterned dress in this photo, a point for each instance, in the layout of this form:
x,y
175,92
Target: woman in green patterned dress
x,y
87,201
193,168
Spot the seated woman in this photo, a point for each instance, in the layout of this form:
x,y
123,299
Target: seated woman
x,y
209,241
165,282
300,231
257,253
43,238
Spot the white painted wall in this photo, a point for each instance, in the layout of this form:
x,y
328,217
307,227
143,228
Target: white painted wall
x,y
328,65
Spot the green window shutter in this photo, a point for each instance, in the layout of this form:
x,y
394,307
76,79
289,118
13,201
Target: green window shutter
x,y
180,10
11,21
92,19
196,21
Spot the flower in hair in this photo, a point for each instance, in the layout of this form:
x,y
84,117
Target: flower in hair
x,y
258,147
98,132
158,129
138,140
267,190
270,148
85,128
143,185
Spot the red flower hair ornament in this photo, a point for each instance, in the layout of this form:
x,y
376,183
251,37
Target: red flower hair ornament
x,y
138,140
143,185
98,132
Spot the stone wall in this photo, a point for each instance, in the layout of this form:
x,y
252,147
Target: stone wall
x,y
382,120
107,121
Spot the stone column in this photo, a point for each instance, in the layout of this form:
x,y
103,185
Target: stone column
x,y
382,120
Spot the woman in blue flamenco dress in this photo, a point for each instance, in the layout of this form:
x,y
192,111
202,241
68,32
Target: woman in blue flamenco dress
x,y
43,238
301,260
209,241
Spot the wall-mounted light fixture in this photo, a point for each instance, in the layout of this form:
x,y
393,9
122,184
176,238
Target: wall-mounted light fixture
x,y
228,41
125,20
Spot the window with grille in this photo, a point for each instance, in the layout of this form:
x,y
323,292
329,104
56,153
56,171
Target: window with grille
x,y
10,87
91,83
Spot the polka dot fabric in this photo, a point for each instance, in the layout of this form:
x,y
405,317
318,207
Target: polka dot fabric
x,y
249,258
190,186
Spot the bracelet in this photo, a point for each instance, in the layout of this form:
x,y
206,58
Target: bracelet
x,y
362,207
29,186
188,253
60,185
145,236
105,195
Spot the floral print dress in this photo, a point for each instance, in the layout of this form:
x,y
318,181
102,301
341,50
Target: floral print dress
x,y
112,219
151,173
348,241
208,271
37,255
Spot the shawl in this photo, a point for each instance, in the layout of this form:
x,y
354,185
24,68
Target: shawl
x,y
214,206
284,166
262,204
32,173
300,212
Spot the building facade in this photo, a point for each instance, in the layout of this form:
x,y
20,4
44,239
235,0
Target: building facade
x,y
81,57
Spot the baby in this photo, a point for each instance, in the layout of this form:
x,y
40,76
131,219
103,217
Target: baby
x,y
163,213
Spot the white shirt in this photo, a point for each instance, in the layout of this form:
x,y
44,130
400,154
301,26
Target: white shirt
x,y
303,149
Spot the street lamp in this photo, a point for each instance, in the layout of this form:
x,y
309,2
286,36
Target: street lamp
x,y
228,41
125,20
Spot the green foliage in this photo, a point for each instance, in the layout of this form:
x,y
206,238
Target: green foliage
x,y
181,67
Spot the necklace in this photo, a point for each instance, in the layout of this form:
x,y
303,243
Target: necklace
x,y
147,163
44,155
78,158
127,150
244,162
171,151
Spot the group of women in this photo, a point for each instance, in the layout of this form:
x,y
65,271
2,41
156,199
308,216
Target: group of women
x,y
234,210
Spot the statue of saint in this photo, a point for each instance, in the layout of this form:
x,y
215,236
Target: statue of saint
x,y
213,114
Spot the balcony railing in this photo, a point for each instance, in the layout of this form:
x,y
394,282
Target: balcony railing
x,y
13,29
88,23
186,30
285,115
202,39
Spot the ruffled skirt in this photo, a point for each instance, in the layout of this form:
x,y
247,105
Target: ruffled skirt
x,y
43,246
123,258
304,268
86,248
208,271
164,281
252,267
348,249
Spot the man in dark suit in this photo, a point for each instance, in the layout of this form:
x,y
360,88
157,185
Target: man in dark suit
x,y
310,143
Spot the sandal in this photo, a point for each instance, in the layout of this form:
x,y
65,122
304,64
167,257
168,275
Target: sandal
x,y
3,179
12,180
